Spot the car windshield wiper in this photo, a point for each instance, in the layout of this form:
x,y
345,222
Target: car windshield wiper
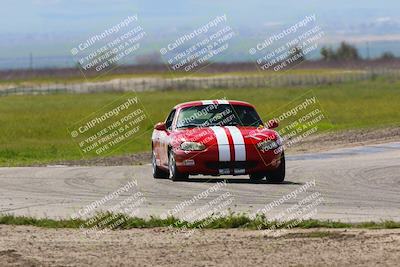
x,y
232,124
190,126
221,125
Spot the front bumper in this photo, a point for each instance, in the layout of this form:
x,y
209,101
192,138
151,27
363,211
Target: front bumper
x,y
207,161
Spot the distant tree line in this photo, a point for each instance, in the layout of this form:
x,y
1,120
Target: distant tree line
x,y
347,52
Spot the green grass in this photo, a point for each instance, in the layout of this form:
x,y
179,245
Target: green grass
x,y
34,128
226,222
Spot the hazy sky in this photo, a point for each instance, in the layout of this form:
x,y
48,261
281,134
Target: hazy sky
x,y
48,16
52,27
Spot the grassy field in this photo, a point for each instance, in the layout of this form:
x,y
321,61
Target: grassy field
x,y
34,128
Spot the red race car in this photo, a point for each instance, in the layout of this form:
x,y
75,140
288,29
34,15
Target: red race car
x,y
217,137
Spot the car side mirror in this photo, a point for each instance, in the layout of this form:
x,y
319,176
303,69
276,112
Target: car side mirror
x,y
160,126
272,124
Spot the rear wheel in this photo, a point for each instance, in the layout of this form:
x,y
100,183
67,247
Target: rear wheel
x,y
174,173
278,175
157,172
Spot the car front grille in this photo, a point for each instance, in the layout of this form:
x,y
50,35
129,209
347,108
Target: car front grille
x,y
216,165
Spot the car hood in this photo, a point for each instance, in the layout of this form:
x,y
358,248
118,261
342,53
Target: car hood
x,y
225,135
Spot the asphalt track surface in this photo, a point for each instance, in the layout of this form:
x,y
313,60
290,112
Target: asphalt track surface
x,y
356,184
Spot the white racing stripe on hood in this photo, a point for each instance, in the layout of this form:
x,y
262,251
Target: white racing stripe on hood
x,y
223,143
238,142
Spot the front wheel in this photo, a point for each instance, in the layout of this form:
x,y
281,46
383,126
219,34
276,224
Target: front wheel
x,y
277,175
174,173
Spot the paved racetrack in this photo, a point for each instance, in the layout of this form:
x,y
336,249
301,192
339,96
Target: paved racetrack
x,y
356,184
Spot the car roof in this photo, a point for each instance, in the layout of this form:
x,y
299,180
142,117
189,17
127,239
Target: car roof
x,y
209,102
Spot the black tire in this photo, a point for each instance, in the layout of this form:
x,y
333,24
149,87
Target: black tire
x,y
174,174
256,176
278,175
157,172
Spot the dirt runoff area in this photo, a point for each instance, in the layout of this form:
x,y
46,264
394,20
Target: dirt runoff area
x,y
30,246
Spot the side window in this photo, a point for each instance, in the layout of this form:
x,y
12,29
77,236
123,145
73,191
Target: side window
x,y
170,119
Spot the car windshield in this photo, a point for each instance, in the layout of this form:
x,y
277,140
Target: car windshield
x,y
218,115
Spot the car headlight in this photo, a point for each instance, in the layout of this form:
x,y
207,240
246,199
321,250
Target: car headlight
x,y
192,146
269,144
